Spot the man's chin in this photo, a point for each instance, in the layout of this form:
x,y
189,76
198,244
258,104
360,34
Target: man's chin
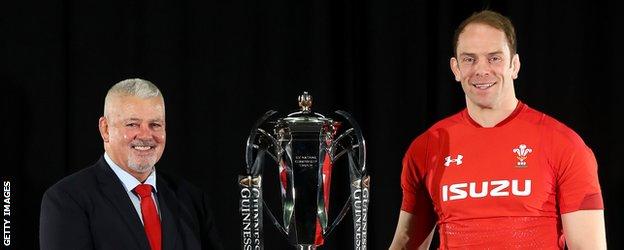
x,y
483,103
141,167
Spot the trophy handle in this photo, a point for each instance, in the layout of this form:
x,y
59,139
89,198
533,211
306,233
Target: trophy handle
x,y
255,169
341,215
336,143
360,186
276,156
251,202
361,162
276,223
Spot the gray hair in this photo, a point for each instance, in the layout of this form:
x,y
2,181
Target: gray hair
x,y
137,87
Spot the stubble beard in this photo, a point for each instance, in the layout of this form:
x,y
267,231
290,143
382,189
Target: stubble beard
x,y
140,165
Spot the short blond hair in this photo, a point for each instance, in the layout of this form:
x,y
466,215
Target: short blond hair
x,y
131,87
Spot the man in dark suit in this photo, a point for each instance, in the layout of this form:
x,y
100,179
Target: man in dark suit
x,y
120,202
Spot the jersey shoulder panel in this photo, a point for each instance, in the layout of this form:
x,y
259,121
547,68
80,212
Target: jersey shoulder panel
x,y
419,148
561,133
574,164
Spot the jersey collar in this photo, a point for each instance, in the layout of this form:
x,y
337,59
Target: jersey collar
x,y
519,107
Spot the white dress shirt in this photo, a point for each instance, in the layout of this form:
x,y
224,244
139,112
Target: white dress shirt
x,y
129,183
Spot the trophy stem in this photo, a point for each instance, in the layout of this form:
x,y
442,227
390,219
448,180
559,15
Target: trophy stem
x,y
306,247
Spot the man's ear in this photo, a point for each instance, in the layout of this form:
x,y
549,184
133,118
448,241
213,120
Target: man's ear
x,y
103,126
515,66
455,69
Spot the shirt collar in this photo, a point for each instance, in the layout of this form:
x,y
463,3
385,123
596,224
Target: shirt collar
x,y
519,107
129,182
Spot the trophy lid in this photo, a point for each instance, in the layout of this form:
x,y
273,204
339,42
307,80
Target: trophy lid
x,y
305,115
305,119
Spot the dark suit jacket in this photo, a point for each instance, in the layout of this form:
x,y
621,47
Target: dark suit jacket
x,y
91,210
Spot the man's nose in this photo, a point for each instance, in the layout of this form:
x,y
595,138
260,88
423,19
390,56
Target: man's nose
x,y
144,132
483,68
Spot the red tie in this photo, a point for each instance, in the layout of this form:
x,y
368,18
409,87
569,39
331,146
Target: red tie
x,y
150,216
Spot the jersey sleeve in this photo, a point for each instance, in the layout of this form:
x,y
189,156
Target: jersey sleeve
x,y
414,192
416,199
577,174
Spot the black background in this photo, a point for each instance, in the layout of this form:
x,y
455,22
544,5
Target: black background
x,y
222,64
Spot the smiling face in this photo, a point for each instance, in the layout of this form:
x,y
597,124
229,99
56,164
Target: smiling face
x,y
134,133
485,67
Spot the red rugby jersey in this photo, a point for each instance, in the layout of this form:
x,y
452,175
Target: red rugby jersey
x,y
500,187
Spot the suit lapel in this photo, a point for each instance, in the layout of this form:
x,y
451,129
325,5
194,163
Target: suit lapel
x,y
113,189
169,213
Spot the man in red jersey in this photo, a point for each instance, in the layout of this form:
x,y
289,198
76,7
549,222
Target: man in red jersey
x,y
499,174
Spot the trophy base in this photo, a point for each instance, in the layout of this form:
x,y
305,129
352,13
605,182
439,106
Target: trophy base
x,y
306,247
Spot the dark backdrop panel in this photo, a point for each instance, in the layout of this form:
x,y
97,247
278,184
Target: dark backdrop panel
x,y
222,64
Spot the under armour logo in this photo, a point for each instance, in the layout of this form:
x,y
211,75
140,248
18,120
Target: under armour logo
x,y
458,160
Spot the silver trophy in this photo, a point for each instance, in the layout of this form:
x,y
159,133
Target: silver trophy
x,y
303,148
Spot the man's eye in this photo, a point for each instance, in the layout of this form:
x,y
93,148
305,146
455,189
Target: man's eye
x,y
468,60
156,125
495,59
132,125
